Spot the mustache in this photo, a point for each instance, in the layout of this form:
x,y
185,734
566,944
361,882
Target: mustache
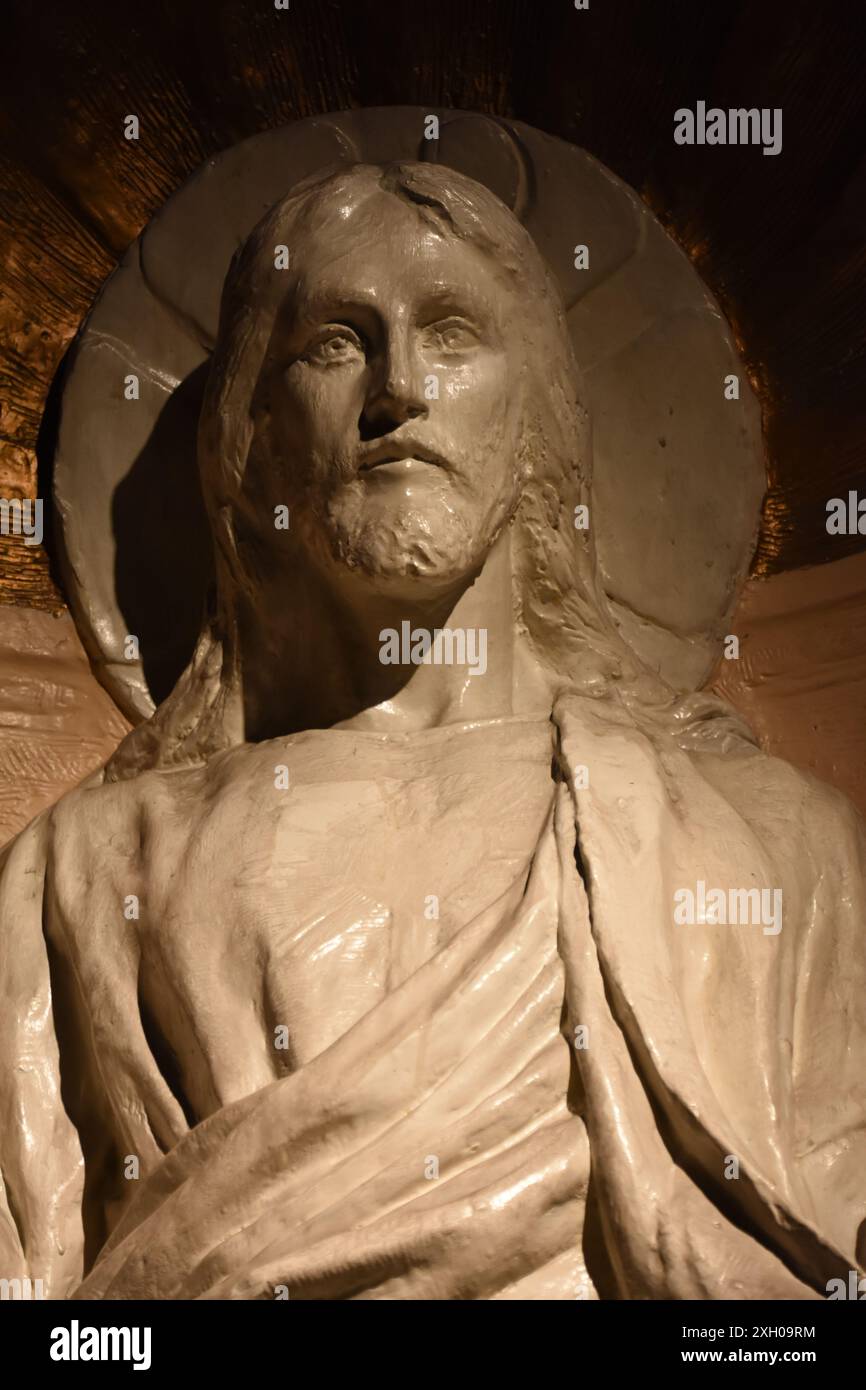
x,y
393,447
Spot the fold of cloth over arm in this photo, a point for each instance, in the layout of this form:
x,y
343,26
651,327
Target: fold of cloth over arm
x,y
686,1067
41,1165
707,1141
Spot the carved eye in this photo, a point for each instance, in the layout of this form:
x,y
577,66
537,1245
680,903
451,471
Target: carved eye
x,y
452,335
333,345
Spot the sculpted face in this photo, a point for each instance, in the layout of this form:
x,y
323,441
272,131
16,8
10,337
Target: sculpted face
x,y
391,397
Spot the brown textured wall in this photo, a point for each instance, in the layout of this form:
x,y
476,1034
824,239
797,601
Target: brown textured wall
x,y
56,723
801,675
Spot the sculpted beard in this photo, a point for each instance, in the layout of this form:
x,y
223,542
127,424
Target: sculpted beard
x,y
443,529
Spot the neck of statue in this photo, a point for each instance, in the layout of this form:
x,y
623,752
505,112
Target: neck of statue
x,y
329,649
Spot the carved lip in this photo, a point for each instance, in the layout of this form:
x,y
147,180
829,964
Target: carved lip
x,y
400,451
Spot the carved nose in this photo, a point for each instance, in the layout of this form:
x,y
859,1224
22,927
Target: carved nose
x,y
402,405
397,400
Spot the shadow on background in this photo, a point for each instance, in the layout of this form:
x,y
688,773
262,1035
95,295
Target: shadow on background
x,y
164,556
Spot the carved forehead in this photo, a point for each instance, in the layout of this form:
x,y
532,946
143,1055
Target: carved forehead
x,y
381,254
415,208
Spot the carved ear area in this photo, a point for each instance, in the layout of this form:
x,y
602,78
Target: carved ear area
x,y
483,149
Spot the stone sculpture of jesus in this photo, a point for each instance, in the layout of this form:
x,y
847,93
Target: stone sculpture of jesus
x,y
360,978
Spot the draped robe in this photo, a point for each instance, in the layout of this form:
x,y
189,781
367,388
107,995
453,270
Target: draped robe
x,y
355,1015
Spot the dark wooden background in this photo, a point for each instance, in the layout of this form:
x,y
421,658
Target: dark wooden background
x,y
779,239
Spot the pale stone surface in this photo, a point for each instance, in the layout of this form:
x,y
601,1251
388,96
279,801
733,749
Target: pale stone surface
x,y
679,469
368,967
800,683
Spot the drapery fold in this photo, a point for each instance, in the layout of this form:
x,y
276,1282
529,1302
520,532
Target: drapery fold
x,y
453,1143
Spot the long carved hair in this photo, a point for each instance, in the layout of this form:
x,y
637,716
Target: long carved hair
x,y
559,605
